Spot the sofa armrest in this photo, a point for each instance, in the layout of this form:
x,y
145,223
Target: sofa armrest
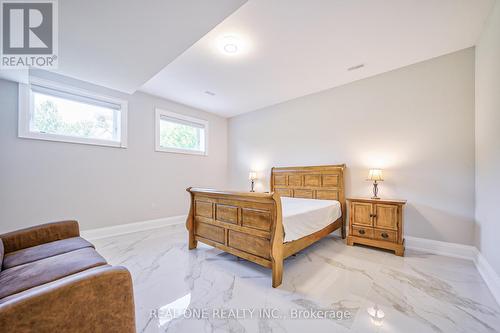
x,y
40,234
96,300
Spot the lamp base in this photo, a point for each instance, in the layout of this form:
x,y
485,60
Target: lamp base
x,y
375,198
375,190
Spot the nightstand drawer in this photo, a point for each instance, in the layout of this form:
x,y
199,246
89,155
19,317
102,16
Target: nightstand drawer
x,y
362,232
385,235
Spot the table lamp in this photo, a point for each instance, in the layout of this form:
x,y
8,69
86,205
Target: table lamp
x,y
252,176
376,176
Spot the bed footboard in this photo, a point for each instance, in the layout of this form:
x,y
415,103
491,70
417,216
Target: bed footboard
x,y
247,225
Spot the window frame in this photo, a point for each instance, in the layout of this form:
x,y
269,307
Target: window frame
x,y
202,122
26,106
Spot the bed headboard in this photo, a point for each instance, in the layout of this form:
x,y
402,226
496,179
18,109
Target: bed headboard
x,y
312,182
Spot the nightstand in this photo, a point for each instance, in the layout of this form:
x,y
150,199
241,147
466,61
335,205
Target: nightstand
x,y
377,222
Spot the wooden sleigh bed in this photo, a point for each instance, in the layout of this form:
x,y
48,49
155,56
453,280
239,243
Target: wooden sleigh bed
x,y
250,225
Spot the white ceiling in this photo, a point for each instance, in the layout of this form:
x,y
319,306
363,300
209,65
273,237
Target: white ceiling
x,y
297,48
123,43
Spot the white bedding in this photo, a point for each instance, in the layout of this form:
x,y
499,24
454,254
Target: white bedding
x,y
302,217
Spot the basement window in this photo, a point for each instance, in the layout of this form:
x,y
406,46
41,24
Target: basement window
x,y
176,133
53,112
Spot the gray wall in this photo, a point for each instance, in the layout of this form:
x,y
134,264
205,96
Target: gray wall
x,y
42,181
417,123
488,140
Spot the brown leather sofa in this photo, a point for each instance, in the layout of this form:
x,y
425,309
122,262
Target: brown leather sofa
x,y
52,280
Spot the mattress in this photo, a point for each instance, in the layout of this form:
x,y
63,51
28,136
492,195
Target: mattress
x,y
302,217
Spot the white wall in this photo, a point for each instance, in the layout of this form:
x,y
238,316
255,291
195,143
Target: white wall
x,y
488,140
41,181
417,123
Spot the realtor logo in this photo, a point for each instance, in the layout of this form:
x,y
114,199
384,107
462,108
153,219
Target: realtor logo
x,y
29,34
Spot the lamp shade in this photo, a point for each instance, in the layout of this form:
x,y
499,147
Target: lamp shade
x,y
375,174
252,175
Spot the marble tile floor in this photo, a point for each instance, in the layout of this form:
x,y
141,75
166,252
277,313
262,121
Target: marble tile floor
x,y
328,287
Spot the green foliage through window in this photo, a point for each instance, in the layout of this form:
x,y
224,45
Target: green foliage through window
x,y
175,135
48,118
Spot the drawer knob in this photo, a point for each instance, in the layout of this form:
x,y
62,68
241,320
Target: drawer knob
x,y
384,235
361,232
373,215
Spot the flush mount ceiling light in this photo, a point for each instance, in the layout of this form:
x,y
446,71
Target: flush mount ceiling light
x,y
231,45
230,48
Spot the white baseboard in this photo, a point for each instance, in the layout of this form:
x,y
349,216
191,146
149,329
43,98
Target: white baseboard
x,y
442,248
461,251
489,275
128,228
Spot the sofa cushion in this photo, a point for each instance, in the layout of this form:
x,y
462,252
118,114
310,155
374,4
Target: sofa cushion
x,y
23,277
1,254
43,251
